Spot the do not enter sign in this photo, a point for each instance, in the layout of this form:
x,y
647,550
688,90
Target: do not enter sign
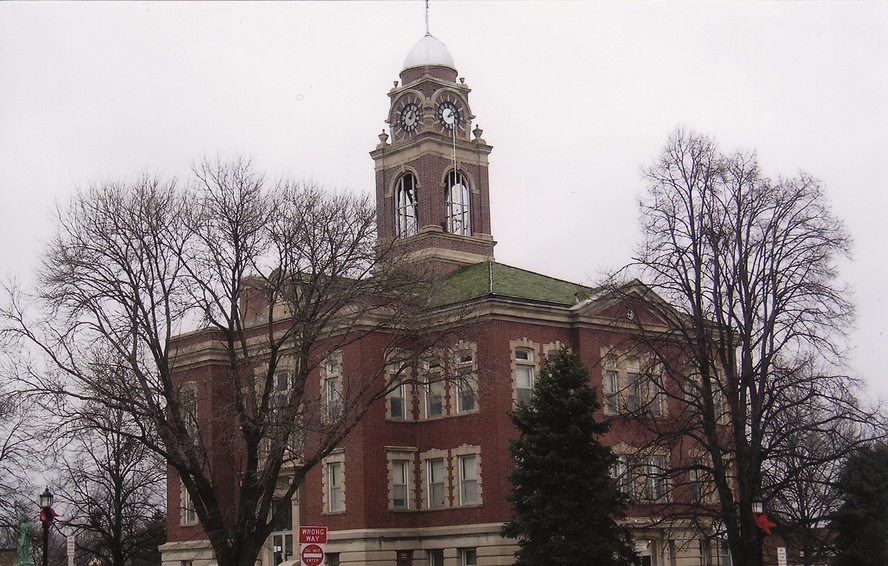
x,y
312,555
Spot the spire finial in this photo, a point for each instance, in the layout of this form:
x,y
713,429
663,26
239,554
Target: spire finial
x,y
427,16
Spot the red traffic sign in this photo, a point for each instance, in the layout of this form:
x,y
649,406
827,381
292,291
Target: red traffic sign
x,y
316,535
312,555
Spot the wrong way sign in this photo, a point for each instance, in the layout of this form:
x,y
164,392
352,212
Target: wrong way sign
x,y
312,541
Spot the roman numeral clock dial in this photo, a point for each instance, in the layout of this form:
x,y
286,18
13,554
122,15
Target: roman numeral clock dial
x,y
408,115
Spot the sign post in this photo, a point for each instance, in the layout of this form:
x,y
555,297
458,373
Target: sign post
x,y
312,542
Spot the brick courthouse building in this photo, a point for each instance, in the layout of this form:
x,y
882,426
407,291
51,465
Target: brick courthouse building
x,y
423,479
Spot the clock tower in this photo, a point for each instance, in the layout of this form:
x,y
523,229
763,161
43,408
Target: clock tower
x,y
432,189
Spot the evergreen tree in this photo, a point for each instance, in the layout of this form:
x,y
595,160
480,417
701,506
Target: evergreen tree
x,y
564,502
860,525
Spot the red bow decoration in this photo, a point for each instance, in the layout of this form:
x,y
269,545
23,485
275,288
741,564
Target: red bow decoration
x,y
52,515
764,523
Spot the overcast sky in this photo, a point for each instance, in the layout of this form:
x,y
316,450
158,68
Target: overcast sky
x,y
575,97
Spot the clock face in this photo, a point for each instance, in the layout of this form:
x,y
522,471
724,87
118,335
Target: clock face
x,y
409,117
448,115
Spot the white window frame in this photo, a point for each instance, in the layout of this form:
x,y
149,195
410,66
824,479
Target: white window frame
x,y
396,457
525,367
468,557
401,482
189,511
436,472
334,483
468,479
462,454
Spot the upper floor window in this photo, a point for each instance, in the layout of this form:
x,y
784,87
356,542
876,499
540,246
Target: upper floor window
x,y
188,407
632,384
611,385
335,500
406,206
468,557
525,373
333,388
398,401
466,385
621,471
433,379
655,477
281,430
189,513
457,204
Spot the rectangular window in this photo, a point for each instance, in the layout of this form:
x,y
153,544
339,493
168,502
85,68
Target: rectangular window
x,y
434,389
398,402
189,515
331,559
696,479
282,544
525,374
334,487
279,405
465,386
620,472
188,406
611,392
400,484
436,558
435,470
657,398
655,477
468,480
632,385
468,557
333,388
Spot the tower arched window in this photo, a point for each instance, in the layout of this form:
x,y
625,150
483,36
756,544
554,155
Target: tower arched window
x,y
405,195
456,200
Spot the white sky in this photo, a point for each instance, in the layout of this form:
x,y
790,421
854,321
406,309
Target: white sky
x,y
575,97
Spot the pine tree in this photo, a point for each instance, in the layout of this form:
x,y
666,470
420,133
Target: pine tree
x,y
564,502
860,526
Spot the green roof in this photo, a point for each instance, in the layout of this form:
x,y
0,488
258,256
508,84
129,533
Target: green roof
x,y
492,279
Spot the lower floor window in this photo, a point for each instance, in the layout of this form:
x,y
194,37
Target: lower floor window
x,y
468,557
436,558
282,544
331,559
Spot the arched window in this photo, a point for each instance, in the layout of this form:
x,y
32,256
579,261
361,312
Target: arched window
x,y
457,202
405,195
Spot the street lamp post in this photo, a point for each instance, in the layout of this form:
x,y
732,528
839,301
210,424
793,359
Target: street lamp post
x,y
46,514
758,505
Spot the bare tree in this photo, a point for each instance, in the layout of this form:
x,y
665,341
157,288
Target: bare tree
x,y
747,268
18,450
113,487
272,284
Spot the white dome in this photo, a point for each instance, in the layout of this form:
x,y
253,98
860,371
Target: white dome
x,y
429,52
